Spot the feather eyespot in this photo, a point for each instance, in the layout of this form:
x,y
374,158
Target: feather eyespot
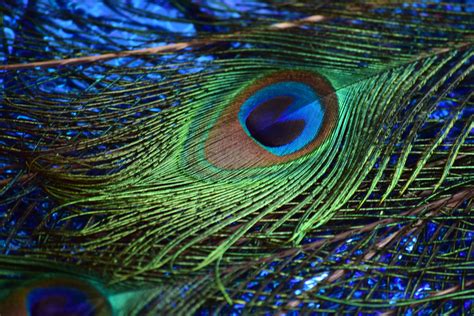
x,y
56,296
278,118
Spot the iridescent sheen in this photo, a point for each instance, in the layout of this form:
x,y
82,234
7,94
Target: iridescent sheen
x,y
283,117
56,297
278,118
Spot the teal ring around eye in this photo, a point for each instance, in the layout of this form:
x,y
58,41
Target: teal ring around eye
x,y
289,116
275,119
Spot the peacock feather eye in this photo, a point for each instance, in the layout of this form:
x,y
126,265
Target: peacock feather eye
x,y
278,118
236,157
55,297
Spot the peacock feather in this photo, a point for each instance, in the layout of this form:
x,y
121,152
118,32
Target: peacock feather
x,y
236,157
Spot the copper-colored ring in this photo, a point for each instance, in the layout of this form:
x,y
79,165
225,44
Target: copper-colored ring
x,y
229,147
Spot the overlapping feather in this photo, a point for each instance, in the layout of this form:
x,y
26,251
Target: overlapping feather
x,y
102,167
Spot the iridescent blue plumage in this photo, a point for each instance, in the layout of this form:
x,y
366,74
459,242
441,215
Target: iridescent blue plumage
x,y
59,300
305,156
277,118
283,117
55,296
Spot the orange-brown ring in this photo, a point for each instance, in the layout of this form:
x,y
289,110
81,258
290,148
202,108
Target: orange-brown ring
x,y
229,147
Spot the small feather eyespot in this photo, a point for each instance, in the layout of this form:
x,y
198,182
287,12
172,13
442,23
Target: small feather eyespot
x,y
54,297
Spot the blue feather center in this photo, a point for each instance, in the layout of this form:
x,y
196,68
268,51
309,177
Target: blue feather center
x,y
59,300
283,117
